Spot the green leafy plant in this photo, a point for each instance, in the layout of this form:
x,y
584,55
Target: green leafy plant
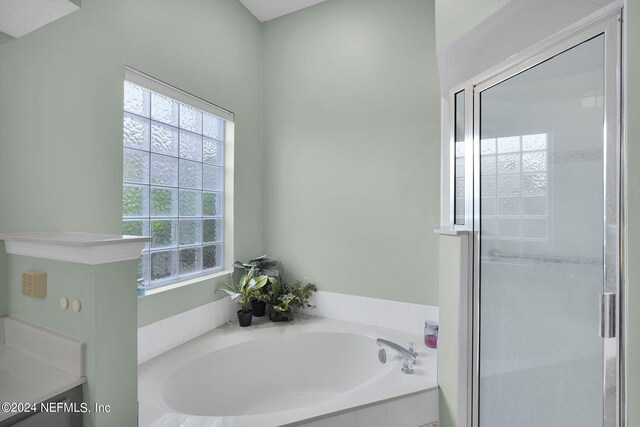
x,y
283,298
264,265
247,288
280,297
301,293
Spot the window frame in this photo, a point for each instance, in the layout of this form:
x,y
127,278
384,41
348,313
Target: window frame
x,y
226,242
468,157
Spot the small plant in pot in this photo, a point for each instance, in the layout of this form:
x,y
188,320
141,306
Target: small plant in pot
x,y
247,289
283,299
263,266
259,302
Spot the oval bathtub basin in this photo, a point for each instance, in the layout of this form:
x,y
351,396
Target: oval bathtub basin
x,y
273,374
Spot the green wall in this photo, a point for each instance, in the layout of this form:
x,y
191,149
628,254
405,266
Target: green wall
x,y
456,17
61,98
448,372
106,323
4,37
352,147
632,33
61,119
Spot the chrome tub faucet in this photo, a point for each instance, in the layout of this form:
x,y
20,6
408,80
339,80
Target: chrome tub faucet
x,y
408,355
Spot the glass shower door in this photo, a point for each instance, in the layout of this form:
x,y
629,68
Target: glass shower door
x,y
541,149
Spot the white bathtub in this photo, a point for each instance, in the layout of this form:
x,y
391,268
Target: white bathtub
x,y
277,374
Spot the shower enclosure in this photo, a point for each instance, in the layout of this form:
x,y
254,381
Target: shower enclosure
x,y
536,176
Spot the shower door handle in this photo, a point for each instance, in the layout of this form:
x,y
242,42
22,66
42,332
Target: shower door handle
x,y
608,315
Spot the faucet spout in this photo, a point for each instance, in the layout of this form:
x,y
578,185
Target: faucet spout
x,y
408,354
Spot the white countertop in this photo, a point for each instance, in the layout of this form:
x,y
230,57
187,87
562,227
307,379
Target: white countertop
x,y
84,248
24,378
72,238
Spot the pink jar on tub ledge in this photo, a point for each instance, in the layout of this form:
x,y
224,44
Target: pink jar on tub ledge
x,y
431,334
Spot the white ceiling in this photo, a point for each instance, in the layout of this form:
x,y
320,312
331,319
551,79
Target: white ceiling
x,y
19,17
266,10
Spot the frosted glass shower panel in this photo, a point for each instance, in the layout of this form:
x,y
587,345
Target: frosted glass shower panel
x,y
541,243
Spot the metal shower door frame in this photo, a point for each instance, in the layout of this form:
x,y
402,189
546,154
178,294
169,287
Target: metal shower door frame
x,y
609,24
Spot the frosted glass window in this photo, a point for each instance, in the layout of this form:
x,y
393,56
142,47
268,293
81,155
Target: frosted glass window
x,y
173,185
514,168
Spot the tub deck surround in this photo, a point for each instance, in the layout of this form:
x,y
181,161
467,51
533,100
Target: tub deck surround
x,y
387,314
36,364
84,248
159,337
275,374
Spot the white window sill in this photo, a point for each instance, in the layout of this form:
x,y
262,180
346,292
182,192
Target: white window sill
x,y
451,232
187,282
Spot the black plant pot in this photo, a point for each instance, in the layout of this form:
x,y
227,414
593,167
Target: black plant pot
x,y
277,316
258,307
245,318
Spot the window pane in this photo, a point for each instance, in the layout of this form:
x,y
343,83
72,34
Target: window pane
x,y
212,204
136,166
534,183
136,132
459,160
163,233
508,163
136,99
212,152
163,265
190,146
164,139
509,145
212,178
212,230
190,260
164,201
190,203
211,257
135,200
535,161
164,170
534,142
164,109
190,119
190,232
190,174
213,127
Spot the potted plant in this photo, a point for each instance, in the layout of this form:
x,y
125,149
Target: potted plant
x,y
259,301
263,266
283,299
246,289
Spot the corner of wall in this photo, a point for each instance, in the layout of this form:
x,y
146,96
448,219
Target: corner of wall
x,y
4,281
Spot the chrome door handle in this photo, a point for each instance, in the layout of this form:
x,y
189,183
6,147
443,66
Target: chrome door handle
x,y
608,315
